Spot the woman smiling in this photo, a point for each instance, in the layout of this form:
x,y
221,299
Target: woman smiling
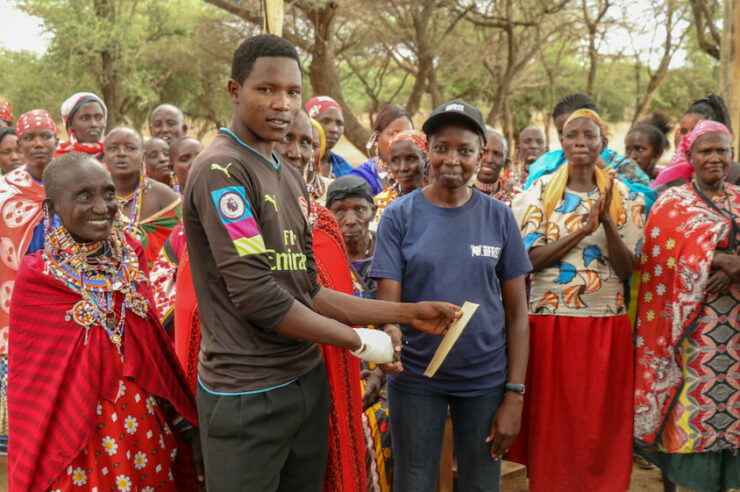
x,y
96,395
450,242
687,420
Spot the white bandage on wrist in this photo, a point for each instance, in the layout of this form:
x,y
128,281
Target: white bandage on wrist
x,y
376,346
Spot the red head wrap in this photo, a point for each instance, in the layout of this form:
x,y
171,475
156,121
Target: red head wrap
x,y
37,118
319,104
6,111
414,136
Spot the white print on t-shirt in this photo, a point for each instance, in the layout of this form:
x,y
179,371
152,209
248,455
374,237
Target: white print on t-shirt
x,y
484,250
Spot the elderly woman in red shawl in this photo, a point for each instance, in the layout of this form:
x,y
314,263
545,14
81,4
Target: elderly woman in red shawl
x,y
96,397
687,390
84,116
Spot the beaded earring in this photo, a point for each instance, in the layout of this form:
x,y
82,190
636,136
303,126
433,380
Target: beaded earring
x,y
371,147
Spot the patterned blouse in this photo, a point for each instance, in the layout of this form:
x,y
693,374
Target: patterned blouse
x,y
583,283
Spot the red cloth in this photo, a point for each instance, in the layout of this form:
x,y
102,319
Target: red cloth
x,y
345,467
319,104
187,319
681,237
37,118
20,213
94,149
6,111
56,380
131,447
577,421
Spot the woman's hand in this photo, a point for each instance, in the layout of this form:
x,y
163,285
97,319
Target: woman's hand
x,y
434,318
374,381
591,221
605,201
730,264
718,282
394,331
196,453
505,425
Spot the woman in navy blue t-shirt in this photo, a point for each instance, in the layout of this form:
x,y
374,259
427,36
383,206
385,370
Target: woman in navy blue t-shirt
x,y
450,242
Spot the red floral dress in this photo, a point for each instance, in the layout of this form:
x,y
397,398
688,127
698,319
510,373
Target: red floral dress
x,y
131,447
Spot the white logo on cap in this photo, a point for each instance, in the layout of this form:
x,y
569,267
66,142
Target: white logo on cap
x,y
455,107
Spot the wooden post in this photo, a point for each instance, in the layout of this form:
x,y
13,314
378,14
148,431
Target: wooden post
x,y
729,77
273,13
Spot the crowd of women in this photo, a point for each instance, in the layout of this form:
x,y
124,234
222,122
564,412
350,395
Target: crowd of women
x,y
608,285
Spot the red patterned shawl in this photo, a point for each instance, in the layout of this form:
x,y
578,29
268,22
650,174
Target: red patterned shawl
x,y
56,380
681,236
345,467
20,213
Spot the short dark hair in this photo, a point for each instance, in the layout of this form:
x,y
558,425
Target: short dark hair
x,y
387,115
573,102
5,131
125,127
176,142
713,108
58,167
656,127
262,45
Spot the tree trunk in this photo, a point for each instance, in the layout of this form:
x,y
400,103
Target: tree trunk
x,y
108,82
323,74
730,65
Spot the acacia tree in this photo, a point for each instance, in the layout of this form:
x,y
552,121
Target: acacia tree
x,y
112,40
706,13
519,29
671,16
312,26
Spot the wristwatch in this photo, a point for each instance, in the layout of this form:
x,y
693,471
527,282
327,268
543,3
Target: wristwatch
x,y
516,388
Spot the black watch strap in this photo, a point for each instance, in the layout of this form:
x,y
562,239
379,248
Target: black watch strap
x,y
515,387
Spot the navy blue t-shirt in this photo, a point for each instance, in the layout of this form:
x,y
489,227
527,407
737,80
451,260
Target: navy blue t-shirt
x,y
452,254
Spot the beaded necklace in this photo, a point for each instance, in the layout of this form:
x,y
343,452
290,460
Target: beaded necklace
x,y
96,271
136,196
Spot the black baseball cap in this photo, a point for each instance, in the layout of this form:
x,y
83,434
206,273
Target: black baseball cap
x,y
456,110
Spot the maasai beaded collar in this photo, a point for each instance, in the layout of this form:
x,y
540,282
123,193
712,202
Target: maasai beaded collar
x,y
96,271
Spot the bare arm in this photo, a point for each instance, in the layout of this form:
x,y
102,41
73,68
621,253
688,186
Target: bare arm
x,y
430,317
506,423
544,256
302,323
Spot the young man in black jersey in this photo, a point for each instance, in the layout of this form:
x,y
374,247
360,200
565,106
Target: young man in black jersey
x,y
263,399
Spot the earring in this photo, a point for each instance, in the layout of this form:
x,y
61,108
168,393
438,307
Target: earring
x,y
372,145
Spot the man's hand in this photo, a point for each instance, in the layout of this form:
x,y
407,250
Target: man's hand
x,y
434,318
374,380
505,425
394,331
